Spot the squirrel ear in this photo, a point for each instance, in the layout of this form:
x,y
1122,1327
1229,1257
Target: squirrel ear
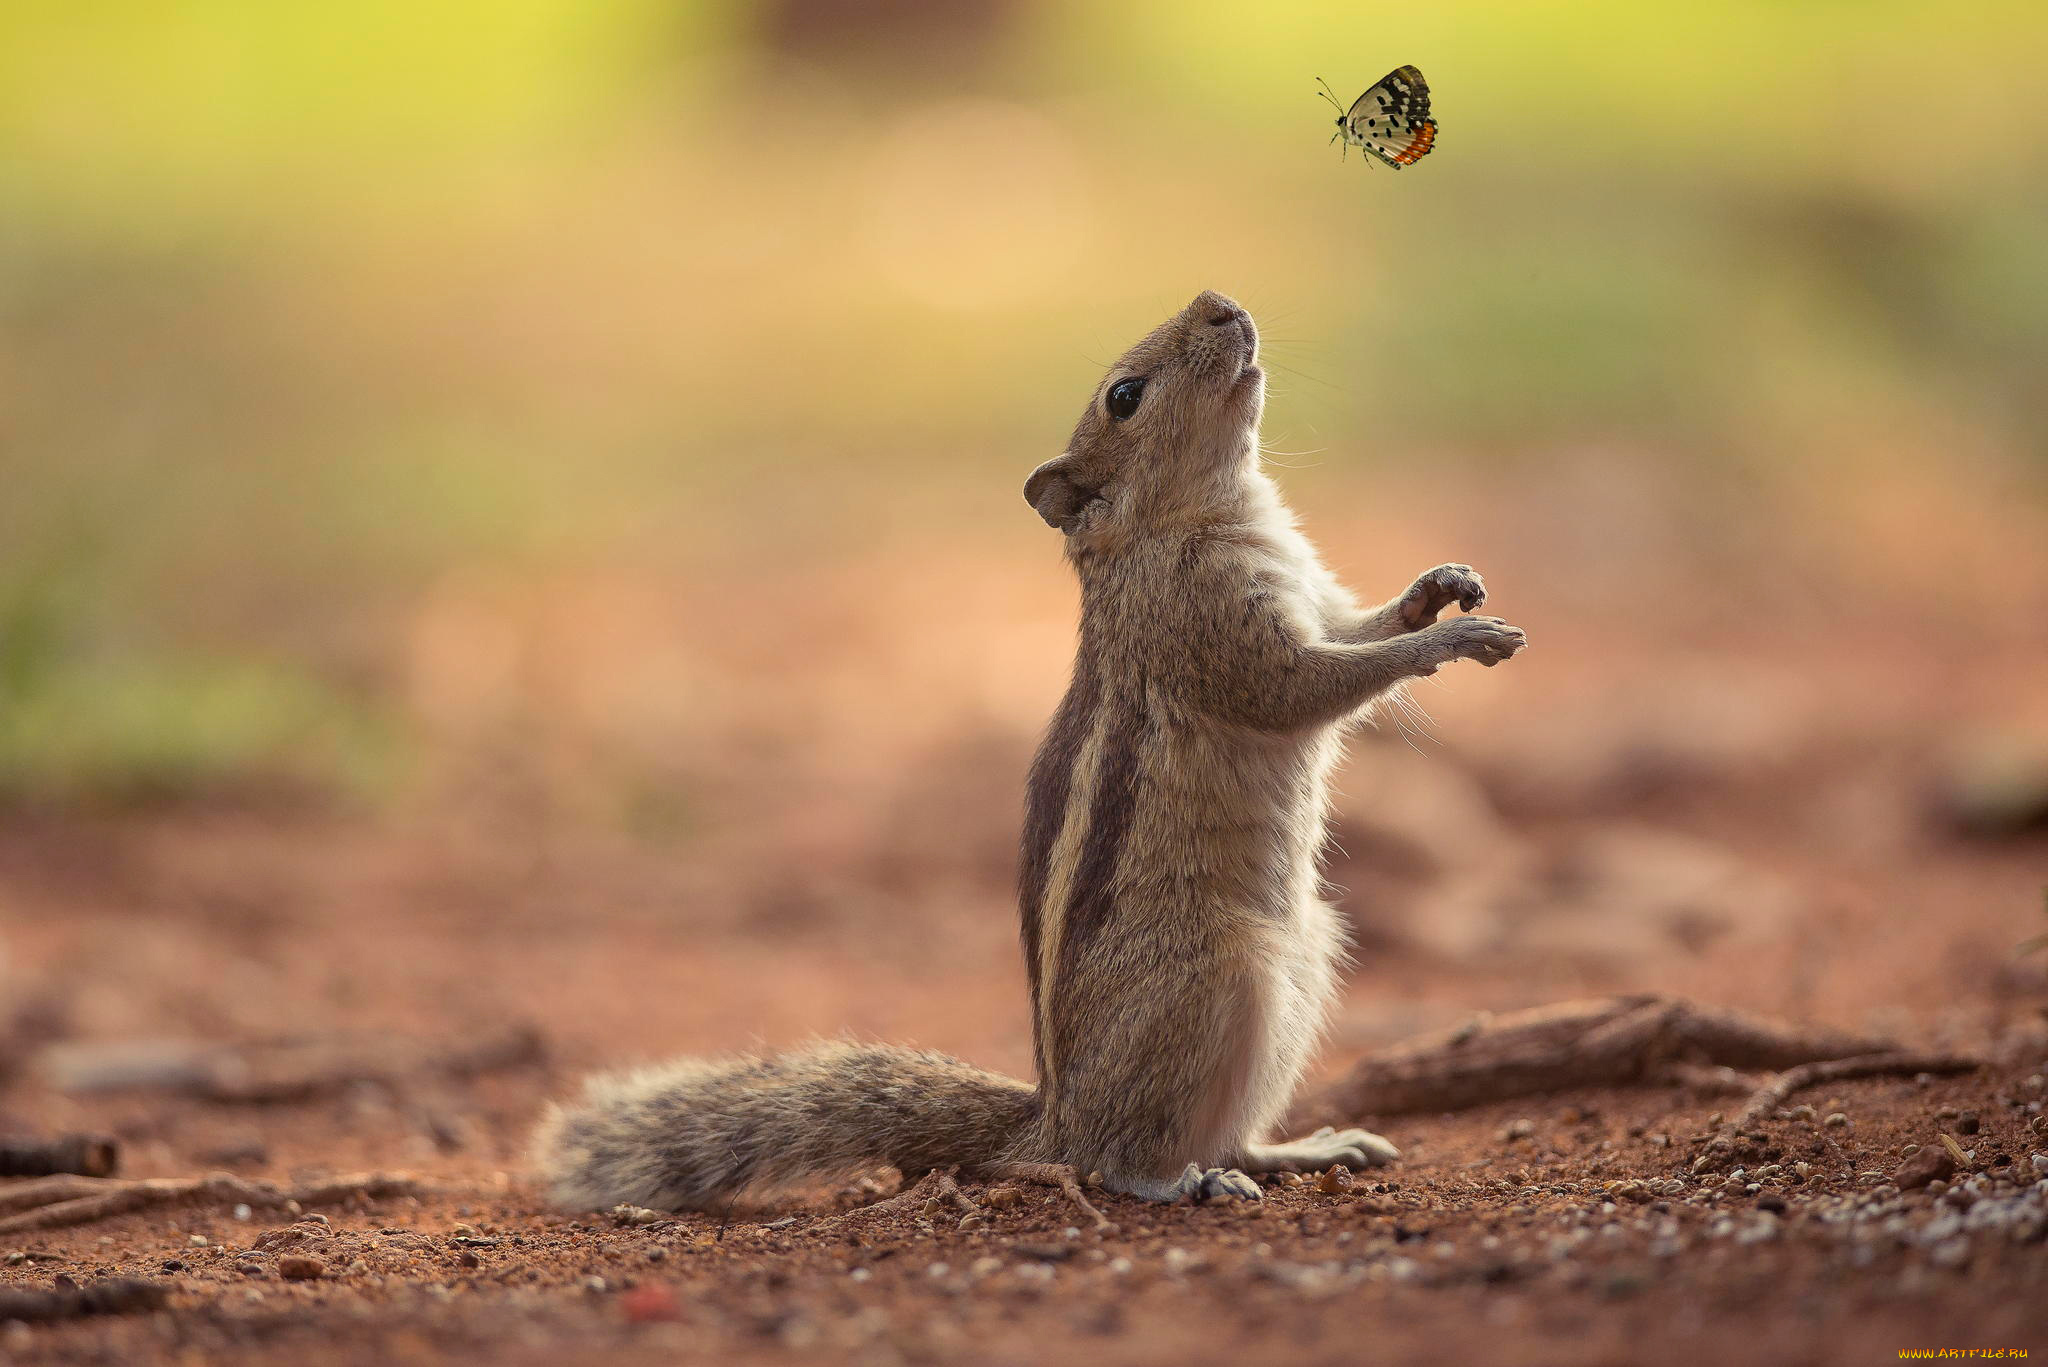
x,y
1057,496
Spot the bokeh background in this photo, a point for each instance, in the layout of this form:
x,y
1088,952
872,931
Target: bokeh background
x,y
512,509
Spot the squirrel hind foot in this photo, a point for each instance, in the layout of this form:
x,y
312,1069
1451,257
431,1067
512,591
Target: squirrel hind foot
x,y
1195,1182
1355,1149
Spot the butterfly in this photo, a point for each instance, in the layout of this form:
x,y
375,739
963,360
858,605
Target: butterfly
x,y
1391,120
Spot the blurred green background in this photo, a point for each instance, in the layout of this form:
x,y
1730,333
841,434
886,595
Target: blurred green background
x,y
387,389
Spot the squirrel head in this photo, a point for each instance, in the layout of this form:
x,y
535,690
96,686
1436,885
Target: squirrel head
x,y
1170,432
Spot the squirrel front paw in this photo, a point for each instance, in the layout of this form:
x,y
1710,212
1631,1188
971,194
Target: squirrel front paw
x,y
1488,640
1434,590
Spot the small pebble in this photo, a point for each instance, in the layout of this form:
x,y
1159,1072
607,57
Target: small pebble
x,y
1924,1167
297,1267
1836,1121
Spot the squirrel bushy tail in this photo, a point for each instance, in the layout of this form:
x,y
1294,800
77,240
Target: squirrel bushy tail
x,y
695,1133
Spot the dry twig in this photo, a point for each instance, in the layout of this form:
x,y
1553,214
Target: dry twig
x,y
935,1185
114,1296
1061,1175
940,1185
283,1070
53,1202
1773,1094
1602,1042
92,1155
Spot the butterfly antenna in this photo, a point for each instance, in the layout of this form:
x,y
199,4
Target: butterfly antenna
x,y
1329,94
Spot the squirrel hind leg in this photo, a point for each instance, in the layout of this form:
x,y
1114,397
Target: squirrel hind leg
x,y
1352,1148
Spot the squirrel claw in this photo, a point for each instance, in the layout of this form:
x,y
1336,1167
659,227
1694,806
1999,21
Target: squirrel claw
x,y
1219,1183
1434,590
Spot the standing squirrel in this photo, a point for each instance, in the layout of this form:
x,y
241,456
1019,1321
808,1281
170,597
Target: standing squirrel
x,y
1181,958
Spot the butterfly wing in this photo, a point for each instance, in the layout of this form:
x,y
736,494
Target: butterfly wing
x,y
1392,119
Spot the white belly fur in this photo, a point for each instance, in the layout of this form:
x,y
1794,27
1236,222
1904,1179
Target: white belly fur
x,y
1295,943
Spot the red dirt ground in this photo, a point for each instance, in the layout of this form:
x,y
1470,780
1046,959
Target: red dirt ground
x,y
1776,838
1476,1247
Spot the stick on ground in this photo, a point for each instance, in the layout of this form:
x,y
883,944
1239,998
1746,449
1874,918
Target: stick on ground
x,y
285,1069
1601,1042
1773,1094
1059,1175
114,1296
54,1202
941,1186
90,1155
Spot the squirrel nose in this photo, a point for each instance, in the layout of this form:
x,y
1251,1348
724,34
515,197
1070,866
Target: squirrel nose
x,y
1217,310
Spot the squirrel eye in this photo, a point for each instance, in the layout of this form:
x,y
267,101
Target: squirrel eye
x,y
1123,398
